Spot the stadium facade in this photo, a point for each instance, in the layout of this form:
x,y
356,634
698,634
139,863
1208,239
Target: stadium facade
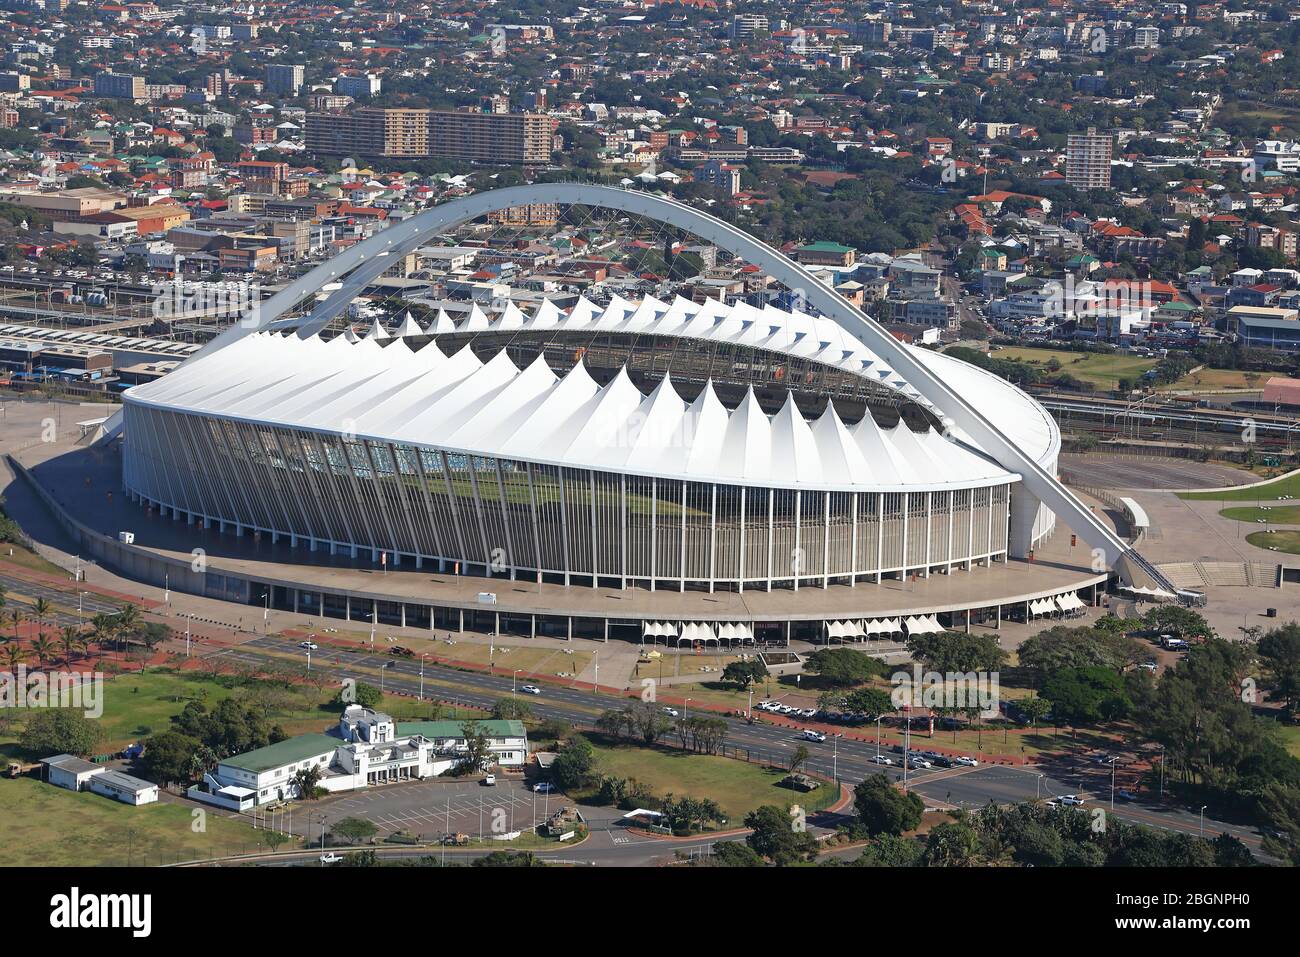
x,y
469,450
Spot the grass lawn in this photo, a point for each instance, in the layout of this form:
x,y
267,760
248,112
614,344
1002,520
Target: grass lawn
x,y
1103,371
737,787
1211,380
1275,515
46,826
136,706
1288,542
1268,492
1290,735
26,558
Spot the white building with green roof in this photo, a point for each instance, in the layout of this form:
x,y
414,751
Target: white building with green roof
x,y
369,749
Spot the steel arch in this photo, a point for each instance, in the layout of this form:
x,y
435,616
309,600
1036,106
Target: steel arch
x,y
360,265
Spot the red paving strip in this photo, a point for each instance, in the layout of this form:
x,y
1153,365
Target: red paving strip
x,y
65,584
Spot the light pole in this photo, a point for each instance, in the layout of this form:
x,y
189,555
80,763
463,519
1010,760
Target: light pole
x,y
835,756
309,659
323,819
422,657
266,611
685,707
1038,787
187,639
1162,772
1203,807
1112,782
907,743
382,669
878,717
749,710
514,677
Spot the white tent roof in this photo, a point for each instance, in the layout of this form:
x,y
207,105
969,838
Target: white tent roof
x,y
388,391
923,625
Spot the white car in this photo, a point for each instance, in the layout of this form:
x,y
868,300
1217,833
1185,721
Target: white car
x,y
966,762
330,858
309,645
531,689
489,780
1070,800
544,787
1052,803
672,712
811,735
920,762
881,759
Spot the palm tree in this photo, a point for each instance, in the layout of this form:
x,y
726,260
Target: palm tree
x,y
16,618
102,629
70,640
127,621
13,656
44,649
41,608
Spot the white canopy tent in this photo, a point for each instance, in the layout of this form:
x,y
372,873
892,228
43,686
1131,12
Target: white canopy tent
x,y
923,625
693,631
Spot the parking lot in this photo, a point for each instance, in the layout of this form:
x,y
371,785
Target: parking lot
x,y
429,809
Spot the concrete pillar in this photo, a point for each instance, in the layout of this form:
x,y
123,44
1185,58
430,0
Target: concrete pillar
x,y
462,621
533,633
570,628
1024,510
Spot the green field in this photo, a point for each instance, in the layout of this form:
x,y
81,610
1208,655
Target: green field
x,y
1268,492
1288,542
136,706
1275,515
46,826
1103,371
737,787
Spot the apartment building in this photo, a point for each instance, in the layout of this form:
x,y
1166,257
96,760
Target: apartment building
x,y
120,86
285,79
516,138
1087,159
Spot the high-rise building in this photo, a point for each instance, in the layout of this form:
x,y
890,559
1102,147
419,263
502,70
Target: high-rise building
x,y
1087,159
121,86
285,79
357,85
523,138
747,24
1147,38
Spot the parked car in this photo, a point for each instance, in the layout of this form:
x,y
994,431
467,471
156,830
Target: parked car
x,y
1070,800
966,762
309,645
882,759
489,780
916,761
330,858
531,689
544,787
672,712
1126,795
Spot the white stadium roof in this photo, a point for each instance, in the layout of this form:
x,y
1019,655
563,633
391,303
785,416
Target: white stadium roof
x,y
460,403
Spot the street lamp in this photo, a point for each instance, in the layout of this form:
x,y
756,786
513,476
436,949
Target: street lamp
x,y
422,657
266,611
685,706
1162,772
1112,782
382,669
514,677
1203,807
309,659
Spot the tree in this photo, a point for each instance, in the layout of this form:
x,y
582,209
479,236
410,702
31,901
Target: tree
x,y
883,809
799,758
1279,650
306,782
956,652
575,765
614,722
868,701
1086,695
742,674
43,648
508,859
354,830
951,844
843,667
773,834
511,709
168,756
60,731
366,695
649,722
478,751
70,641
734,854
1034,708
41,609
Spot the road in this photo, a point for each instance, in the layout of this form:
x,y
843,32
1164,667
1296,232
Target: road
x,y
846,760
1105,470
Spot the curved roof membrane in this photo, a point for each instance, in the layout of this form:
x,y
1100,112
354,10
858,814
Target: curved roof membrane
x,y
402,387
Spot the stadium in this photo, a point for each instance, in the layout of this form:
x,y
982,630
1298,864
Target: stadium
x,y
642,449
